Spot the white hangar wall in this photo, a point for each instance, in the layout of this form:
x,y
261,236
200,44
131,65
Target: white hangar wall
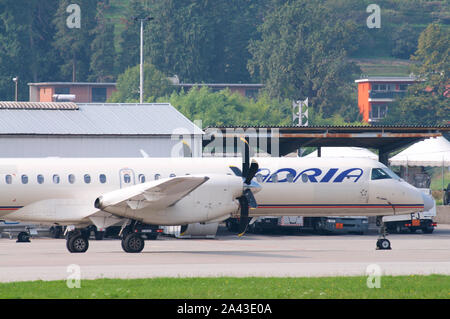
x,y
95,146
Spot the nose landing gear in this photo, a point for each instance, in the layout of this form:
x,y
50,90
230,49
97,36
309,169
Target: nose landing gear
x,y
382,242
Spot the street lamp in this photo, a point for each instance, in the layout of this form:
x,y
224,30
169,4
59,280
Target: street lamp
x,y
16,80
141,84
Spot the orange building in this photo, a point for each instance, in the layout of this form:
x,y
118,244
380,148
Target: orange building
x,y
78,92
375,94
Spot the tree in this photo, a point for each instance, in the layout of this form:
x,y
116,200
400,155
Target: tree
x,y
404,40
202,40
433,54
156,84
180,39
73,44
102,48
426,102
24,37
419,107
226,108
302,53
128,53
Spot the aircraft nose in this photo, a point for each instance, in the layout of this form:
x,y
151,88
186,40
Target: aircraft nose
x,y
428,201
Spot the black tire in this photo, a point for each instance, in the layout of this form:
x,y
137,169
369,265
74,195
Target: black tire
x,y
67,244
23,237
427,230
412,230
383,244
133,243
77,244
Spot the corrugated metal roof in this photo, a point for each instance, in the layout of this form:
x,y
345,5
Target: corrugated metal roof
x,y
387,79
73,83
98,119
359,127
39,105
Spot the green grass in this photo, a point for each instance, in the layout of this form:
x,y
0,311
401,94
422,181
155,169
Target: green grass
x,y
403,287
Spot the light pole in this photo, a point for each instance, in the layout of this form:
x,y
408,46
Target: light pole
x,y
141,68
16,80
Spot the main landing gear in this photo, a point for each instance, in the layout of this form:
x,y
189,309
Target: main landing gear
x,y
132,235
382,242
23,237
77,241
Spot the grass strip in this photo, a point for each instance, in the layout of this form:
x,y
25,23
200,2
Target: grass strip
x,y
391,287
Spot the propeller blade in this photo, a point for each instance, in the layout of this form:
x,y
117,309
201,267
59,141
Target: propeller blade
x,y
187,152
246,157
251,201
236,171
244,216
251,172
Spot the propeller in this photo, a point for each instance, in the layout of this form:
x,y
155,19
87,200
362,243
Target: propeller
x,y
187,152
247,199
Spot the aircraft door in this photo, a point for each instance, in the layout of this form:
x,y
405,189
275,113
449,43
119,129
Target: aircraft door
x,y
127,177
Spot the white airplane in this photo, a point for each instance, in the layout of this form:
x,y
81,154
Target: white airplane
x,y
81,192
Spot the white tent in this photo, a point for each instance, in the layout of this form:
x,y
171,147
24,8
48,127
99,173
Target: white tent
x,y
429,152
344,152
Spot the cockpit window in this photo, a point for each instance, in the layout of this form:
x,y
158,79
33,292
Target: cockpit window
x,y
379,173
392,174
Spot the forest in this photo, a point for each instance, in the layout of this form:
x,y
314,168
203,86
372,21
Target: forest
x,y
297,48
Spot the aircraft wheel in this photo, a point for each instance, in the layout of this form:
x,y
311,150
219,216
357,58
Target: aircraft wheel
x,y
383,244
133,243
23,237
77,244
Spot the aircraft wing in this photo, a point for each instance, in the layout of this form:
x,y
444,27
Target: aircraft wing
x,y
157,194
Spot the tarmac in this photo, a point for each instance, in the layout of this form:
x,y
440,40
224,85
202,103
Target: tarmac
x,y
279,254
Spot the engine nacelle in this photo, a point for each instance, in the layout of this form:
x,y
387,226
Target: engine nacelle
x,y
210,201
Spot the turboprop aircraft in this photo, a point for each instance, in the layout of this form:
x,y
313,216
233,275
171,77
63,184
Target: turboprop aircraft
x,y
81,192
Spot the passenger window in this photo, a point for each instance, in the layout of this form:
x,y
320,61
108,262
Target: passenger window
x,y
290,178
71,178
259,178
24,179
102,178
304,178
157,176
56,179
126,178
40,179
274,178
141,178
8,179
378,173
87,178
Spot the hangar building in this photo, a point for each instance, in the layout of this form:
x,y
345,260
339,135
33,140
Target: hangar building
x,y
36,129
